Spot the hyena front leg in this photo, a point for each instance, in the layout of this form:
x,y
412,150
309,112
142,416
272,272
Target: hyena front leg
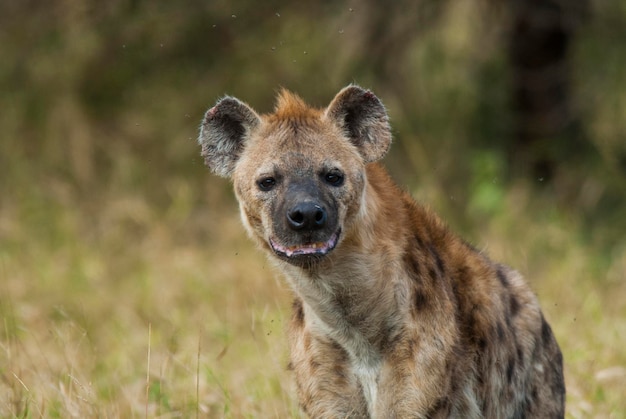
x,y
325,383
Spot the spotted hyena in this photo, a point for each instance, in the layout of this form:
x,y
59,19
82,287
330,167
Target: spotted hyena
x,y
394,316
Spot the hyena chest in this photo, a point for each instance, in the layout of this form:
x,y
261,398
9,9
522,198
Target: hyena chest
x,y
364,361
368,377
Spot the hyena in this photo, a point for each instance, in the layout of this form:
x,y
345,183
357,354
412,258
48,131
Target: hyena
x,y
394,316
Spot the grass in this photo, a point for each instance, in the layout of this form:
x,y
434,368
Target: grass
x,y
136,311
86,322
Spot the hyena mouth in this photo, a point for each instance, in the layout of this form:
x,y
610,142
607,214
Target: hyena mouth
x,y
306,249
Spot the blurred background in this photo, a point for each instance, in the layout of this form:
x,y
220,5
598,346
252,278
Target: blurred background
x,y
128,287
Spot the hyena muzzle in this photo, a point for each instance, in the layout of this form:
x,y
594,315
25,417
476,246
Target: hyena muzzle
x,y
394,316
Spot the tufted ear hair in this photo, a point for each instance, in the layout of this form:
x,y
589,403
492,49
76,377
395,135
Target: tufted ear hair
x,y
363,118
223,134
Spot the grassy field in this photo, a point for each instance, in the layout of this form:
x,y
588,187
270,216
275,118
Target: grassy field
x,y
131,310
128,287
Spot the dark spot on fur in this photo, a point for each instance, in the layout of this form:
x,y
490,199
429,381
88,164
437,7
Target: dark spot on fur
x,y
480,378
440,264
509,370
298,312
500,331
340,375
413,266
533,395
392,336
455,288
482,344
558,384
419,241
559,358
514,305
342,355
420,300
509,323
290,366
441,407
343,300
546,332
472,329
502,277
438,260
485,405
338,369
520,355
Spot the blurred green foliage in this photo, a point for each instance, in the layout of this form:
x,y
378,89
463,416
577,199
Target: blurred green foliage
x,y
97,97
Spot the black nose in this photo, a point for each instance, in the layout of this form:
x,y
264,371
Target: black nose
x,y
306,215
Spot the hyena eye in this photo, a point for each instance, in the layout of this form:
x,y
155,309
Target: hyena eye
x,y
267,183
334,178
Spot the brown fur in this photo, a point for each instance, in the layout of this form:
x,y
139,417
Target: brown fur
x,y
397,317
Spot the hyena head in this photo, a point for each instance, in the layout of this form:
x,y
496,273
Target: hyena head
x,y
298,173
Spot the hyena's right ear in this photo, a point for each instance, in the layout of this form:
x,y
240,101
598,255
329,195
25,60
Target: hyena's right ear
x,y
223,133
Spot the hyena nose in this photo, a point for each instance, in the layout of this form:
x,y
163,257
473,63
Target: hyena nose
x,y
306,216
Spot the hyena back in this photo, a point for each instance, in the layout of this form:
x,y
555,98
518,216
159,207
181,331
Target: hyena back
x,y
394,316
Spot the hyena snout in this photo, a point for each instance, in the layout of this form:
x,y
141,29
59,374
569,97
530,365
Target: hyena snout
x,y
305,225
306,215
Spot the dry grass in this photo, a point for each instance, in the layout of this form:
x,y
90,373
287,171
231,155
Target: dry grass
x,y
86,320
93,302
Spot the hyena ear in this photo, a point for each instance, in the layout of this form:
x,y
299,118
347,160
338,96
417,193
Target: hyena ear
x,y
223,133
363,118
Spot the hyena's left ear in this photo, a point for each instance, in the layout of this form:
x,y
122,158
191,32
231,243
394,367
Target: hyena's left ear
x,y
223,134
363,118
